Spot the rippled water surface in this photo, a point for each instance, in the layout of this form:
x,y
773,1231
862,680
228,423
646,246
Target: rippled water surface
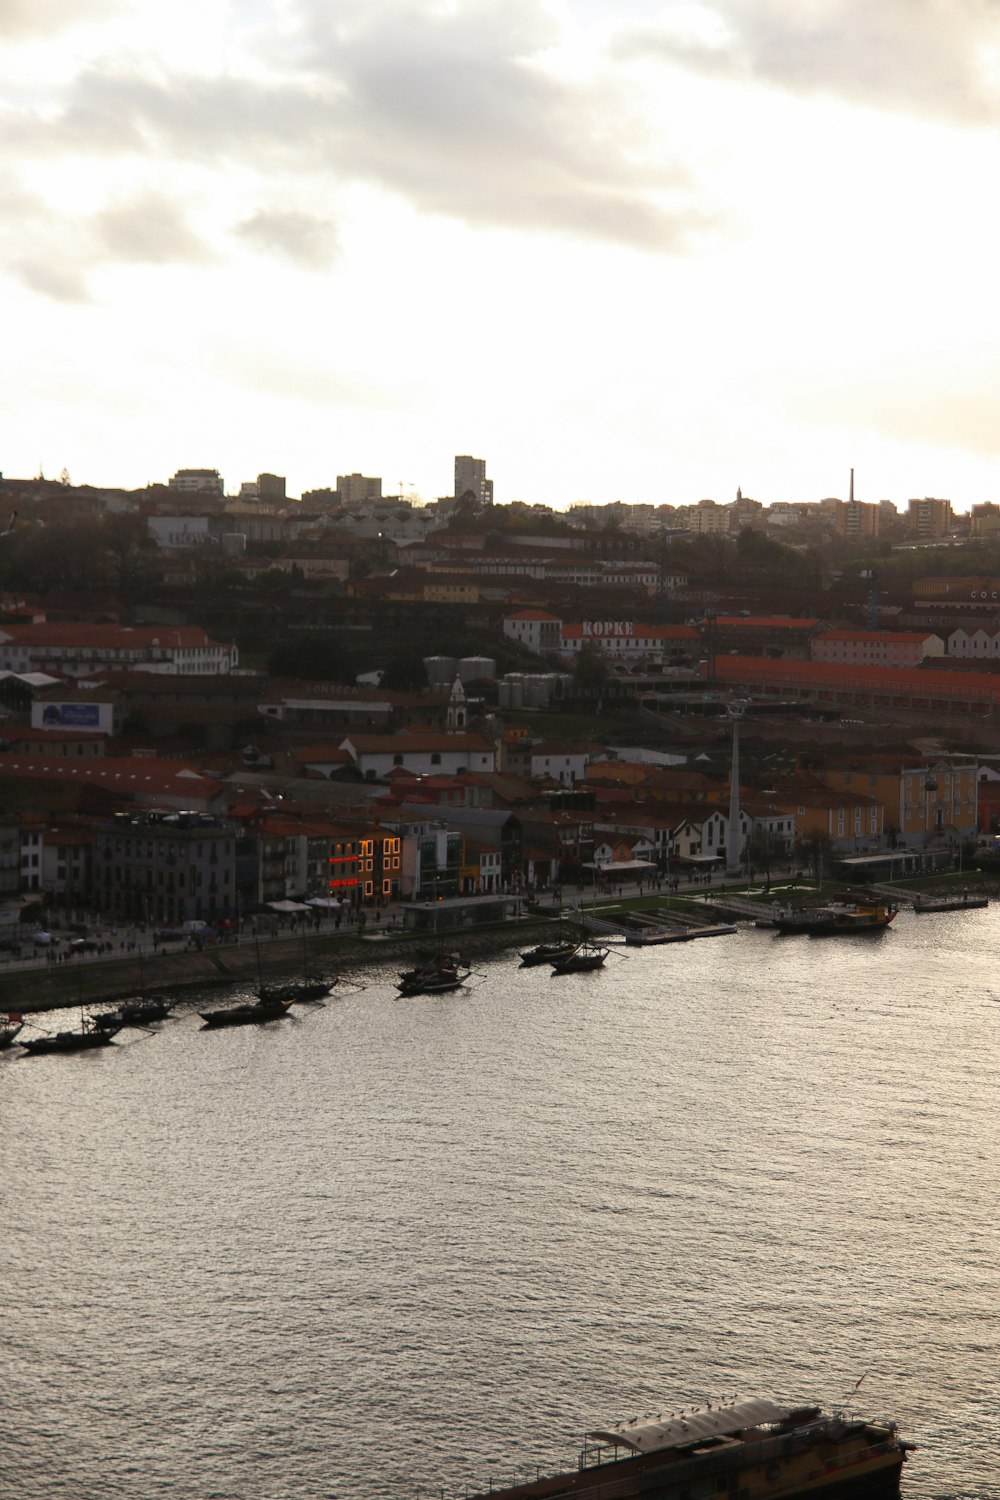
x,y
388,1248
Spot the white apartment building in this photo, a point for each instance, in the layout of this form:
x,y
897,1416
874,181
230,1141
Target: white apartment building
x,y
470,476
978,645
197,481
535,630
875,648
79,650
354,489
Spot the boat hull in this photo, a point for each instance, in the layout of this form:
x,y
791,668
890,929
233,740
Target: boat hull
x,y
839,919
245,1015
429,986
68,1041
132,1015
297,990
546,953
830,1460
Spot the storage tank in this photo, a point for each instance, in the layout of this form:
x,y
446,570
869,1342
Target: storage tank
x,y
477,668
440,670
511,691
537,690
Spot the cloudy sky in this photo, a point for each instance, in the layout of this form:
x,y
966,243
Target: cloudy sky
x,y
621,249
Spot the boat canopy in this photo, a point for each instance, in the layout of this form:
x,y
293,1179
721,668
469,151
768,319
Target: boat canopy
x,y
645,1436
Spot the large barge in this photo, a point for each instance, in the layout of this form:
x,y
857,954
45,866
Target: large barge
x,y
753,1450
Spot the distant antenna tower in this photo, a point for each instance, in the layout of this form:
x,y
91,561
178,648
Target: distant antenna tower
x,y
850,498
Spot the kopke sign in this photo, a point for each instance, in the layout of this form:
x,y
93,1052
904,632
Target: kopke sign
x,y
608,627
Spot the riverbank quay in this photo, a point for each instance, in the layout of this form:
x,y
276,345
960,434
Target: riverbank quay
x,y
38,984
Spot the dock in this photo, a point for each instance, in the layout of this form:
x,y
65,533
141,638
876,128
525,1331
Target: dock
x,y
659,924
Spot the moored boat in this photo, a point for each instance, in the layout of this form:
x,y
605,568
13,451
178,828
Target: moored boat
x,y
842,915
133,1013
753,1448
546,953
584,958
87,1037
247,1015
10,1028
310,987
434,976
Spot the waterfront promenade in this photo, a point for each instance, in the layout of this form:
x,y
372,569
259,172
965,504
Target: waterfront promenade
x,y
133,960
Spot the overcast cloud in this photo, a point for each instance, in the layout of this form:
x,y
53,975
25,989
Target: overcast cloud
x,y
452,110
567,197
309,241
932,58
23,19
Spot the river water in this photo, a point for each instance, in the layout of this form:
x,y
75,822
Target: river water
x,y
390,1248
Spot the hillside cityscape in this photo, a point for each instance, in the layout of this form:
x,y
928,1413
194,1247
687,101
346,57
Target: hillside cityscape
x,y
214,702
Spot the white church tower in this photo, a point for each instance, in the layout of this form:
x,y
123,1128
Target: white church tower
x,y
458,710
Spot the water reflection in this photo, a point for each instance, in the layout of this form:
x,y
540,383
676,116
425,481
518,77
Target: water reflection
x,y
388,1245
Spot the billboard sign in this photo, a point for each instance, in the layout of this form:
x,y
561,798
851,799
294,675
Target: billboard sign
x,y
72,716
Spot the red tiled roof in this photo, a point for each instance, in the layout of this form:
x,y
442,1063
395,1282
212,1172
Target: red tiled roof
x,y
929,680
73,633
132,773
902,637
771,622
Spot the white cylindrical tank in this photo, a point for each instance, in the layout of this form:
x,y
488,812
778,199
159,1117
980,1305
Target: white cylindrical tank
x,y
475,668
440,670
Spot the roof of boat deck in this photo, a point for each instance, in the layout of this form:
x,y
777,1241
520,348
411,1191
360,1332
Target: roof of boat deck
x,y
650,1435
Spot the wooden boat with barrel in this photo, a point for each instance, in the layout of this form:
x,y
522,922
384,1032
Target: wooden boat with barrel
x,y
252,1013
88,1036
584,958
753,1449
547,953
133,1013
434,975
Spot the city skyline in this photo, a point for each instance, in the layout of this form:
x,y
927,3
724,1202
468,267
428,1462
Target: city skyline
x,y
647,252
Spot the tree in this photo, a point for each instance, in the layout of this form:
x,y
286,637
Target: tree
x,y
130,548
814,850
591,673
765,849
319,657
405,671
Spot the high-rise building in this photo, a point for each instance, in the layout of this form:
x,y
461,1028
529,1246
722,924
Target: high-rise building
x,y
271,487
267,487
928,519
470,478
855,518
354,489
195,481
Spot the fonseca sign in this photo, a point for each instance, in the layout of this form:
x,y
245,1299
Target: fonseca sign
x,y
608,627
